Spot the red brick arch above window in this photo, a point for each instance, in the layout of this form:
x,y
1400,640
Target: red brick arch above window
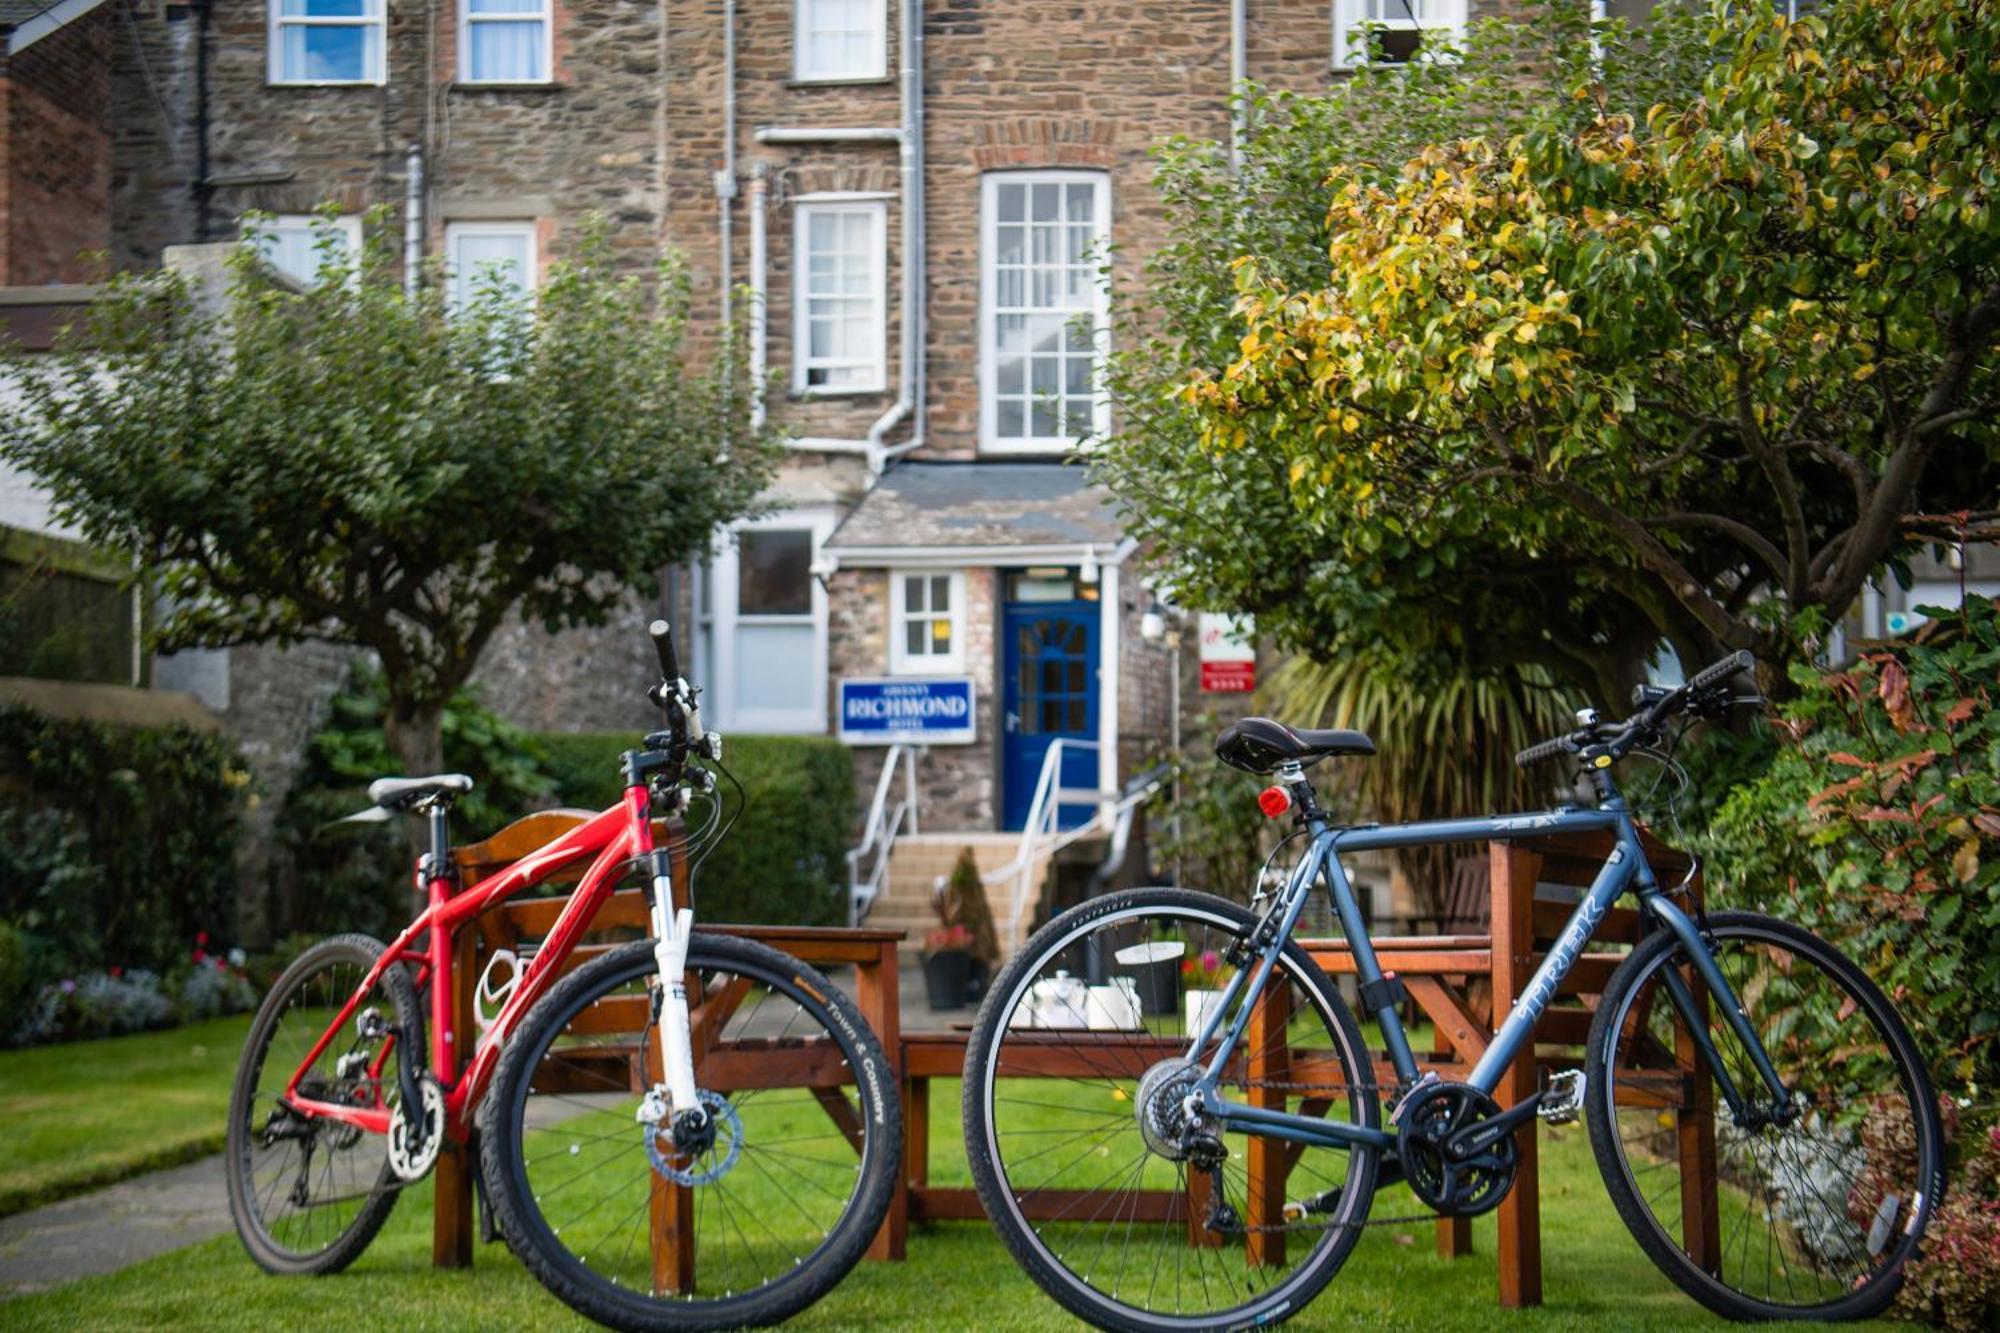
x,y
1042,143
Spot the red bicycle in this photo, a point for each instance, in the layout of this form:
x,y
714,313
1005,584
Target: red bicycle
x,y
622,1120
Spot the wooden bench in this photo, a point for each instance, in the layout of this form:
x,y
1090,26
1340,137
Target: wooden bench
x,y
872,954
1459,982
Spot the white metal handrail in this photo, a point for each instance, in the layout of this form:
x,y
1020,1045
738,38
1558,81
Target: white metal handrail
x,y
885,824
1041,834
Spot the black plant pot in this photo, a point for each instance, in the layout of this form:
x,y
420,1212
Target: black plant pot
x,y
1159,987
948,978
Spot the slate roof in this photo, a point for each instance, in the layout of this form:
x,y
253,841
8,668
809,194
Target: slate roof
x,y
980,504
13,13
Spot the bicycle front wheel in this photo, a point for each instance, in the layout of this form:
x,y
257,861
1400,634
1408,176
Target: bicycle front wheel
x,y
1123,1209
749,1229
1811,1215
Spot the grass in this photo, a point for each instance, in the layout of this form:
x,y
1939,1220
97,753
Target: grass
x,y
85,1114
957,1276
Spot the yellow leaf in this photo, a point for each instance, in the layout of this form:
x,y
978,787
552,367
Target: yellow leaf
x,y
1966,864
1865,371
1298,470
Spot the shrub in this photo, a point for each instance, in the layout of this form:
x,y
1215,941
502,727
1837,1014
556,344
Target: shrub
x,y
15,978
115,841
785,861
1955,1278
107,1003
357,877
1877,824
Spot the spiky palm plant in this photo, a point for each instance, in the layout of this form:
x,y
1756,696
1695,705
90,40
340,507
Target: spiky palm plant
x,y
1443,747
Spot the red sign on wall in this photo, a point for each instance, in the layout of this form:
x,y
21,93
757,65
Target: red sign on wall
x,y
1228,654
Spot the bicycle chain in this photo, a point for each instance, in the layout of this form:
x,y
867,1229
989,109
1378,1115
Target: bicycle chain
x,y
1242,1227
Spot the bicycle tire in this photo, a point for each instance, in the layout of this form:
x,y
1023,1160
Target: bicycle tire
x,y
1859,1301
517,1208
246,1207
1072,1292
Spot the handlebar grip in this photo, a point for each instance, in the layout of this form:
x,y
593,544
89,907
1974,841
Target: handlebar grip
x,y
663,644
1717,672
1534,754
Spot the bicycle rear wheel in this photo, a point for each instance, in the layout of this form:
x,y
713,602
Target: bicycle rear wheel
x,y
750,1230
308,1194
1111,1216
1810,1219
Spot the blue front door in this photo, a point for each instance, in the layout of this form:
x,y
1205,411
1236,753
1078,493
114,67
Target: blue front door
x,y
1050,694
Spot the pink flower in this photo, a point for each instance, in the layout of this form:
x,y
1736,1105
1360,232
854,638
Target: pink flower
x,y
117,971
201,937
1210,960
68,986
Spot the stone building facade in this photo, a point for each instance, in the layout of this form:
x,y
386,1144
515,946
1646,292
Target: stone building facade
x,y
906,202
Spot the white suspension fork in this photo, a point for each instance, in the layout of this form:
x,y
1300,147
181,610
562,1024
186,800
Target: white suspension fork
x,y
672,932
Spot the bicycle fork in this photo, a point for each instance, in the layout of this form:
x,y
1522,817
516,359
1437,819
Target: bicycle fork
x,y
672,932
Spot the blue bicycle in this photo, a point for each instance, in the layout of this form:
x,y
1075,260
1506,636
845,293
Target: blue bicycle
x,y
1118,1124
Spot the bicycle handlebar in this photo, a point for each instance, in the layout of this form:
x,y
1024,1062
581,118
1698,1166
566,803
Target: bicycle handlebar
x,y
1534,754
1642,726
663,644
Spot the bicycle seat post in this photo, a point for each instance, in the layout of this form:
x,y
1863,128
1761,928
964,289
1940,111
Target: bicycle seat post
x,y
438,862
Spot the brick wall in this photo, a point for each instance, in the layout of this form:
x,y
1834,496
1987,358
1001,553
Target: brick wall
x,y
55,161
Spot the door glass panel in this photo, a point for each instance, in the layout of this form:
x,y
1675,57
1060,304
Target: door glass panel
x,y
774,668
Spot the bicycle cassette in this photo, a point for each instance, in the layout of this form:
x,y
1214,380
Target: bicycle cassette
x,y
1442,1170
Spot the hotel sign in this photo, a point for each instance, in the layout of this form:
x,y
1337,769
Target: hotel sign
x,y
885,710
1228,654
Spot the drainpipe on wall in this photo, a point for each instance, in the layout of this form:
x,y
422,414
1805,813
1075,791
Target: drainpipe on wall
x,y
413,218
910,397
725,179
760,187
1239,75
204,193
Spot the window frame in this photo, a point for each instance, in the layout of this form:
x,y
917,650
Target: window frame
x,y
901,662
877,212
347,224
723,619
878,68
375,43
1099,309
1350,16
523,226
546,16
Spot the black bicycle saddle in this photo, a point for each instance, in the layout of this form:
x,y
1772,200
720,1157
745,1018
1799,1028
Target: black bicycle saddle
x,y
1260,745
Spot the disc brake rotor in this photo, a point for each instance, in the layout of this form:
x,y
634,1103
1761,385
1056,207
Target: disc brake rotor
x,y
714,1162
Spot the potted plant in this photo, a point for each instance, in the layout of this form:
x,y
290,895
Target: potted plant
x,y
948,966
1203,976
961,902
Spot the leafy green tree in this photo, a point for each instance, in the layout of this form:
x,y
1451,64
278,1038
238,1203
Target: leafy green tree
x,y
1700,373
1226,523
353,464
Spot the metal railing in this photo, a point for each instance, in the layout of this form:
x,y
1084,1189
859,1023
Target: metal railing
x,y
885,824
1042,835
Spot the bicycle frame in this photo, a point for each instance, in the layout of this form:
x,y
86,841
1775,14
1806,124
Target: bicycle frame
x,y
1626,868
612,839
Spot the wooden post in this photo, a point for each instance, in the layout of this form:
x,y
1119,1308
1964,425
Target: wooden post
x,y
453,1219
1694,1129
875,991
1515,871
1269,1062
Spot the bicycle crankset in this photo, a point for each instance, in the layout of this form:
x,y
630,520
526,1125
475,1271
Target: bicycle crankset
x,y
1450,1166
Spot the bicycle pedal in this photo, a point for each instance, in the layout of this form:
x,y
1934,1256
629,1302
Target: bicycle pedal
x,y
1562,1101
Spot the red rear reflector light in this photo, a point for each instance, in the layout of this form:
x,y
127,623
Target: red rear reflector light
x,y
1274,801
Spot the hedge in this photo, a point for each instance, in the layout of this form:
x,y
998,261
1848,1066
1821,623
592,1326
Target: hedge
x,y
785,862
116,842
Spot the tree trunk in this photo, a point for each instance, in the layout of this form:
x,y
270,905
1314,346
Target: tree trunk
x,y
415,733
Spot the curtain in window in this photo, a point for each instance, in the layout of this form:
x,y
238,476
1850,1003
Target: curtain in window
x,y
505,41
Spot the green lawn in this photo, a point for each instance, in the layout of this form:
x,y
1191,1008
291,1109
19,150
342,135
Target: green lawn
x,y
78,1114
957,1276
85,1114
